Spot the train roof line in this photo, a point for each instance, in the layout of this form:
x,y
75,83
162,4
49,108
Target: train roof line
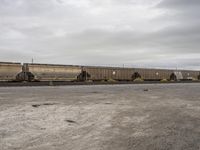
x,y
164,69
108,67
10,63
52,64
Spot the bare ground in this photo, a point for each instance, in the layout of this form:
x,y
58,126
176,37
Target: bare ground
x,y
104,117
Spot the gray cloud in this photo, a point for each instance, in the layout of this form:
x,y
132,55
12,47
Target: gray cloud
x,y
142,33
179,4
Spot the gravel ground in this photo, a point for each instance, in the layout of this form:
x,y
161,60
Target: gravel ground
x,y
103,117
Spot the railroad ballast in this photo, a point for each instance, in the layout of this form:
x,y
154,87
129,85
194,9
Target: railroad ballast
x,y
31,72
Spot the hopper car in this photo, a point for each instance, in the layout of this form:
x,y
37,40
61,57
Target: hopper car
x,y
106,73
131,74
190,75
50,72
9,71
152,74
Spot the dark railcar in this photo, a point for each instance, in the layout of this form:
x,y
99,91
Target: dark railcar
x,y
107,73
131,74
152,74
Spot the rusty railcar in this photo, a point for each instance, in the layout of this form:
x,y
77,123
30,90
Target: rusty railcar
x,y
9,71
50,72
106,73
152,74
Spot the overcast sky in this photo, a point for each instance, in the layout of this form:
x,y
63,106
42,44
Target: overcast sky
x,y
136,33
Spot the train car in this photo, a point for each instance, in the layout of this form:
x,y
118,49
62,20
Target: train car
x,y
50,72
152,74
180,75
106,73
160,74
190,75
9,71
131,74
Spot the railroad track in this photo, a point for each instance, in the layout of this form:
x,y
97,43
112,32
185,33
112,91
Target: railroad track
x,y
59,83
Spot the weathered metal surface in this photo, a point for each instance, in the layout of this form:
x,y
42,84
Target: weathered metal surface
x,y
9,71
190,75
108,73
153,74
159,74
47,72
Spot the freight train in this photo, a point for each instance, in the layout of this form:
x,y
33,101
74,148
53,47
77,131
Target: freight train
x,y
31,72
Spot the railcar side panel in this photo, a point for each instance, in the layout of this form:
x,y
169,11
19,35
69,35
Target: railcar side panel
x,y
46,72
108,73
190,75
9,71
153,74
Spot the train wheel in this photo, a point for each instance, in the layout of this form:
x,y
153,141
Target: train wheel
x,y
173,77
84,76
29,77
136,75
198,77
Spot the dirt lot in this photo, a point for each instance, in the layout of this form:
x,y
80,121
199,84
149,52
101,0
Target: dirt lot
x,y
103,117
